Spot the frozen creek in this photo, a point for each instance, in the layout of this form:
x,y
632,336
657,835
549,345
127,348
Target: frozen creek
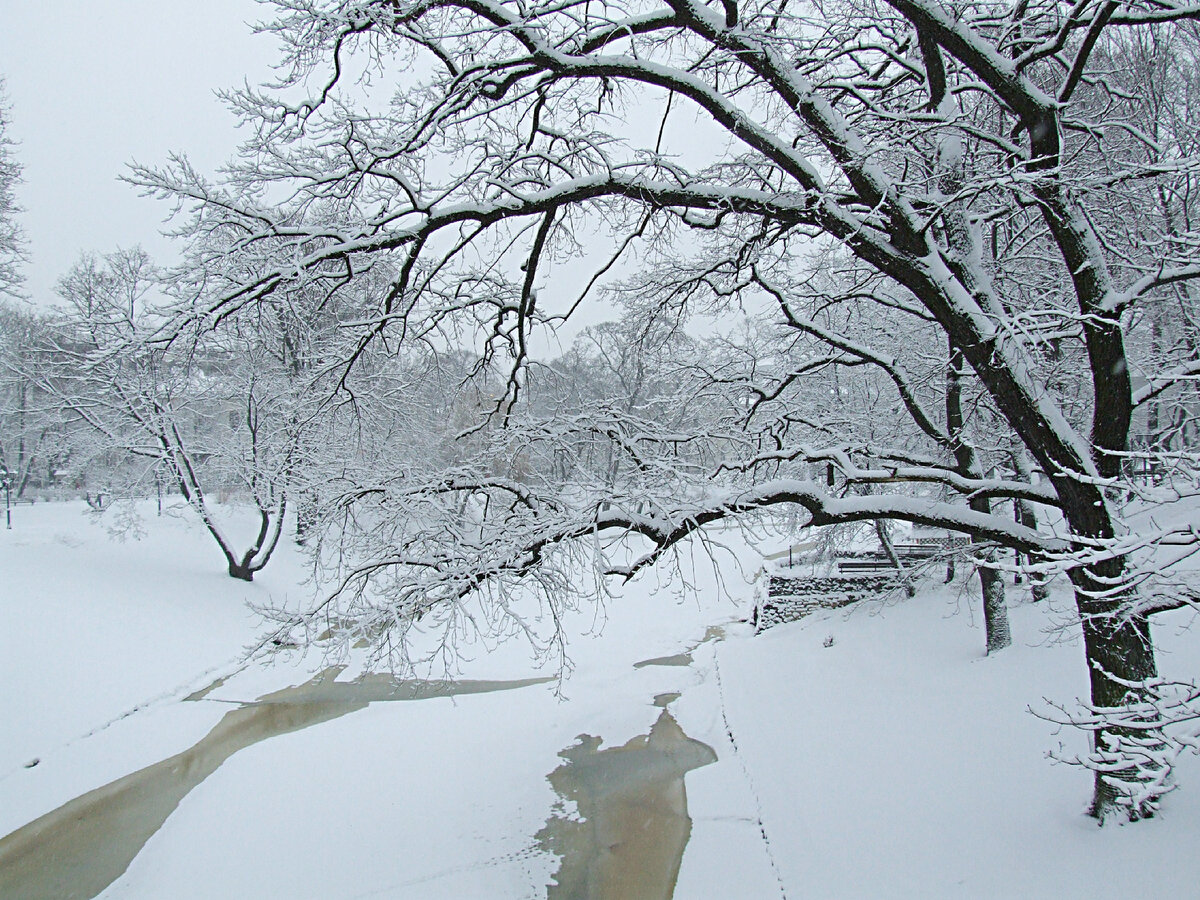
x,y
626,841
633,824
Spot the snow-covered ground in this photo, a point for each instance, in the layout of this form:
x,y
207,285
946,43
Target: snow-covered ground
x,y
867,753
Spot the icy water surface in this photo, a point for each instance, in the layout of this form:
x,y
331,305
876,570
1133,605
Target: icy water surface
x,y
633,807
684,658
678,659
79,849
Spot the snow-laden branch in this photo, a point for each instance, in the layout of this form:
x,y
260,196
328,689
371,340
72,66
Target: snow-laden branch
x,y
1136,746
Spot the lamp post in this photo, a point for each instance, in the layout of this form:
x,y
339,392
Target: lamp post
x,y
6,481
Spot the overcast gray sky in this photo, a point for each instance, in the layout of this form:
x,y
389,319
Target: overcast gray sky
x,y
94,84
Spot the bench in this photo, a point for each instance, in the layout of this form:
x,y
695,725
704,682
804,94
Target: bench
x,y
864,565
919,551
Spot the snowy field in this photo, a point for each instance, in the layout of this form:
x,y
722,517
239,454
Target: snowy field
x,y
868,753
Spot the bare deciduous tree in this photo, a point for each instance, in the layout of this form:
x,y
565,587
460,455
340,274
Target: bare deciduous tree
x,y
11,251
981,162
32,445
207,412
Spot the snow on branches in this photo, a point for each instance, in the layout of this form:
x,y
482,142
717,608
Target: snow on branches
x,y
934,261
1135,745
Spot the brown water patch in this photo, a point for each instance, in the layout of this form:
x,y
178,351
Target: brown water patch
x,y
79,849
206,690
633,806
678,659
662,701
684,658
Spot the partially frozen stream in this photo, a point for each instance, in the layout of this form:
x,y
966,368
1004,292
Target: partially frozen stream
x,y
77,850
623,840
633,807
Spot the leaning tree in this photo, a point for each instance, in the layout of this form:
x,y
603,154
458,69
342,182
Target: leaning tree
x,y
980,174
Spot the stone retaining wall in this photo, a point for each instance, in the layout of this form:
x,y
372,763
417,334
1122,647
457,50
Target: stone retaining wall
x,y
789,599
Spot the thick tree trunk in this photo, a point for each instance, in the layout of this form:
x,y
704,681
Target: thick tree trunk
x,y
995,610
1123,648
1119,647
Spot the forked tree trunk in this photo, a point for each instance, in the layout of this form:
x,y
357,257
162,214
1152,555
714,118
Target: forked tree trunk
x,y
259,553
270,521
243,573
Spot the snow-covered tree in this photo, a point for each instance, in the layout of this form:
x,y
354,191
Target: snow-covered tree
x,y
209,413
32,444
982,164
11,252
